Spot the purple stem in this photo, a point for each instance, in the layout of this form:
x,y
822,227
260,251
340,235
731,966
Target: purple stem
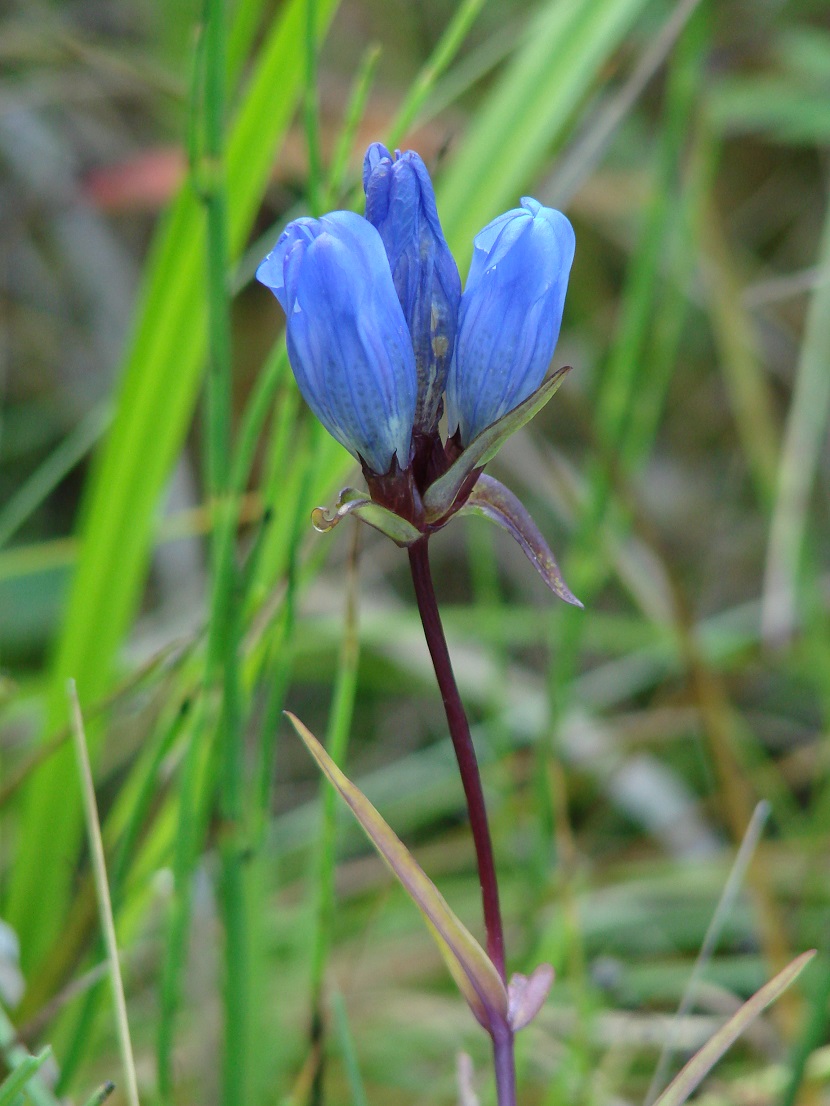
x,y
503,1060
464,750
505,1066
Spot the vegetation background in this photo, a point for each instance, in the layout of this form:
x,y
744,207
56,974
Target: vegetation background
x,y
155,546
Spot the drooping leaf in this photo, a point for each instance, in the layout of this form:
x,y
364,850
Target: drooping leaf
x,y
441,495
351,501
690,1076
492,500
469,964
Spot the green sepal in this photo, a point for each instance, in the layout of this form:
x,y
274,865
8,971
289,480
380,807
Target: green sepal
x,y
352,502
441,495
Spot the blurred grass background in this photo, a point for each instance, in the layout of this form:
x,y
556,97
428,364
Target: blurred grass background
x,y
157,473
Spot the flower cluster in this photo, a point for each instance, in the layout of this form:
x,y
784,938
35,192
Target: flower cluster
x,y
382,340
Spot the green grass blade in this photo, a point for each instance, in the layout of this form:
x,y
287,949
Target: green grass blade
x,y
159,386
337,742
49,474
526,114
348,1051
101,1095
804,440
444,52
102,892
15,1083
14,1054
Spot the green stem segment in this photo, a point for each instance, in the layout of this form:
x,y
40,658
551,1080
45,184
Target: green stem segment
x,y
221,664
471,780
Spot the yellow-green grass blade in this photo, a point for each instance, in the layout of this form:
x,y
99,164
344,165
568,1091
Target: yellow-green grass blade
x,y
160,383
696,1070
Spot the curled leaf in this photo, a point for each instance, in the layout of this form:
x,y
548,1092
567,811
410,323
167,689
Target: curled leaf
x,y
469,964
351,501
492,500
527,995
441,495
690,1076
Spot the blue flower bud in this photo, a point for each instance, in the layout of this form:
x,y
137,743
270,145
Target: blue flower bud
x,y
510,315
347,337
400,202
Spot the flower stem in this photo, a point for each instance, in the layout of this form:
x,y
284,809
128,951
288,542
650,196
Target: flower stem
x,y
465,754
464,750
505,1066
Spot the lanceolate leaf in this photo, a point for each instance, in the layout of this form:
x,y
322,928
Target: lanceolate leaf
x,y
689,1077
467,961
440,496
350,501
500,505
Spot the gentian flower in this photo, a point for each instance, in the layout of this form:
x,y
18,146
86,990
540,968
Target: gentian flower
x,y
379,335
400,202
347,337
510,315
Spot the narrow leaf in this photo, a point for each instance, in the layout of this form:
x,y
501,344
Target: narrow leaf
x,y
467,961
441,495
492,500
350,501
689,1077
15,1083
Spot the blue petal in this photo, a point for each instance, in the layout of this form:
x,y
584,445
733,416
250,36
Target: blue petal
x,y
510,315
347,338
376,153
400,202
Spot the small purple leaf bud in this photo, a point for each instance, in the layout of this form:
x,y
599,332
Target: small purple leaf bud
x,y
527,994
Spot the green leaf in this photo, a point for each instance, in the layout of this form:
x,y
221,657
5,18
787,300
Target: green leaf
x,y
492,500
351,501
15,1083
469,964
689,1077
441,495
